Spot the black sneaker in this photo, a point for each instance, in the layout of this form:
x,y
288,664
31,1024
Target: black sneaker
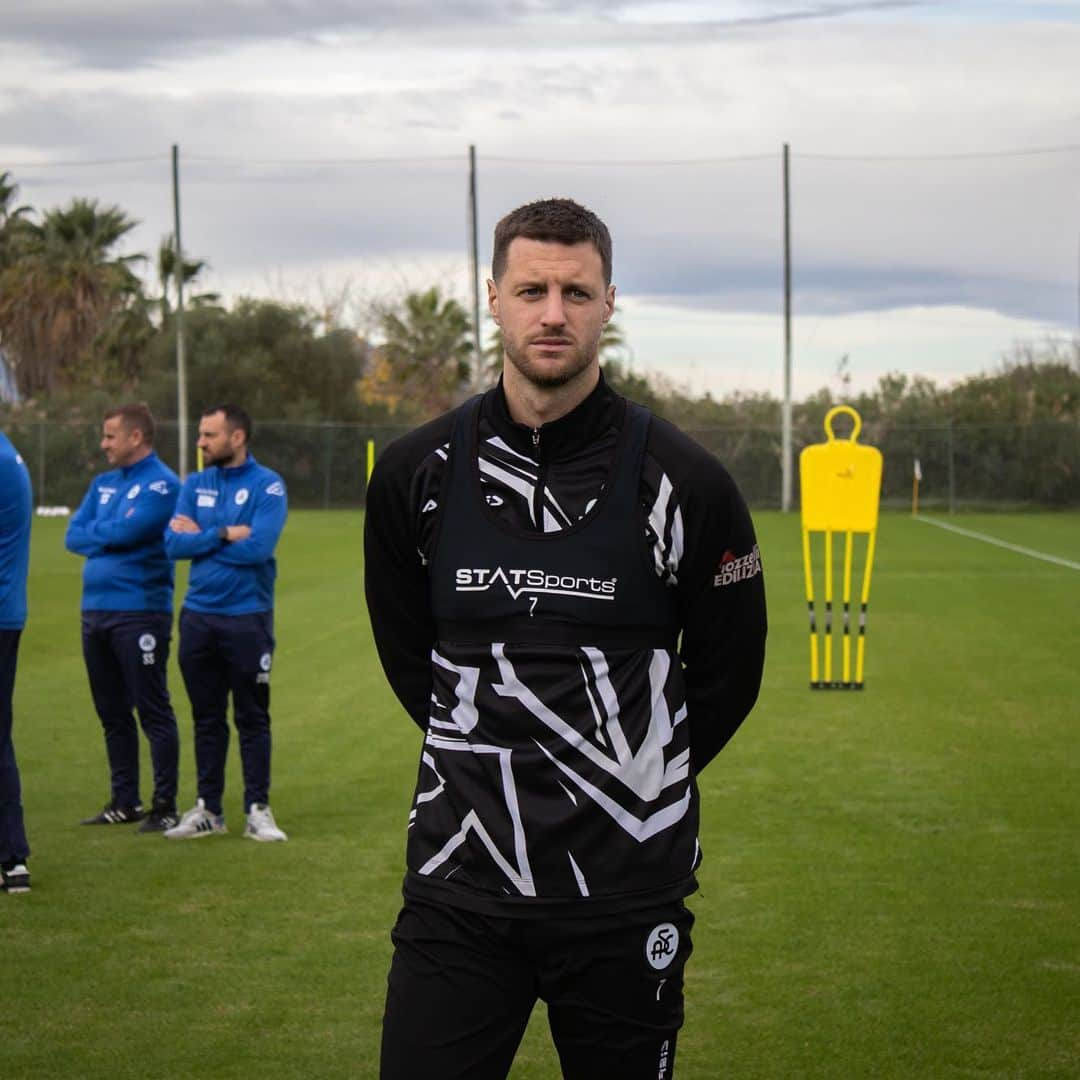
x,y
159,819
16,878
116,815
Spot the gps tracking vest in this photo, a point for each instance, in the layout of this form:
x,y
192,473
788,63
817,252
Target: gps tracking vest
x,y
593,583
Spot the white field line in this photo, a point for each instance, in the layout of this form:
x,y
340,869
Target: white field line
x,y
1030,552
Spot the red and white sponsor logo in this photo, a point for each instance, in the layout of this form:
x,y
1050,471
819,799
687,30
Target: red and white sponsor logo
x,y
735,568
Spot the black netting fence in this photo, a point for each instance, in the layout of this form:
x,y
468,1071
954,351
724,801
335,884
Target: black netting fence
x,y
323,465
964,466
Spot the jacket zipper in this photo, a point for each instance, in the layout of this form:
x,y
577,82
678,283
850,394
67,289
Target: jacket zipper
x,y
538,492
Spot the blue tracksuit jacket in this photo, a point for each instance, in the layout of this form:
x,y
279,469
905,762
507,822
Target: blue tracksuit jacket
x,y
118,528
230,578
16,504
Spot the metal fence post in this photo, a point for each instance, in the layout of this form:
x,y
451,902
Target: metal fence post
x,y
952,471
41,463
328,454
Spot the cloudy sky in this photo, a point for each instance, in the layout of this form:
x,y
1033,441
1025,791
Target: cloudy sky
x,y
935,158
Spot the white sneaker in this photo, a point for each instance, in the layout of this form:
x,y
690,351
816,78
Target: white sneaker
x,y
16,879
198,821
261,824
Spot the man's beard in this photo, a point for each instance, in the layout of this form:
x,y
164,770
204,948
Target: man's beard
x,y
222,461
579,360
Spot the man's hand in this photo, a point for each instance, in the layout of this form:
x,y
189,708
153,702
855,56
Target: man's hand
x,y
183,524
237,532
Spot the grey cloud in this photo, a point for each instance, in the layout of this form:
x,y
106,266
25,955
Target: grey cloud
x,y
820,290
699,235
784,13
133,33
246,222
128,34
108,124
746,274
407,210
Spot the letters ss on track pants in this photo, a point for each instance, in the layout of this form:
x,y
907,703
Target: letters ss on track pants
x,y
222,655
126,654
462,987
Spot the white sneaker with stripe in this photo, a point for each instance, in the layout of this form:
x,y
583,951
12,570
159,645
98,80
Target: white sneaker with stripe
x,y
198,821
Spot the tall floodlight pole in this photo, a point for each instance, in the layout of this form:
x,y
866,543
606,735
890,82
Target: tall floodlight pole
x,y
785,422
181,364
474,268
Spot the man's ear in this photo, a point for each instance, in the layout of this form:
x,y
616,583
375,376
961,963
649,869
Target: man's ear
x,y
609,303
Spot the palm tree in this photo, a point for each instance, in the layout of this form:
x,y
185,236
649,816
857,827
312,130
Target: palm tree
x,y
13,219
428,346
612,339
59,292
13,223
167,278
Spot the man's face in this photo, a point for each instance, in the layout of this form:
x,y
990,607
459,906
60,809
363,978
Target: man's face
x,y
122,445
218,444
551,303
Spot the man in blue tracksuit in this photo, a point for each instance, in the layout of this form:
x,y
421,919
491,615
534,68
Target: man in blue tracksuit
x,y
228,520
127,614
15,512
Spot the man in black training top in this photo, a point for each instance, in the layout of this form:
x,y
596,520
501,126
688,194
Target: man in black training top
x,y
566,596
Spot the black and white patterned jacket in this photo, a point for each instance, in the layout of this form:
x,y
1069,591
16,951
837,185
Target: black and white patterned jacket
x,y
543,799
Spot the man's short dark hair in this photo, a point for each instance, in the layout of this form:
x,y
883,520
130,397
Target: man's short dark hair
x,y
235,417
559,221
135,416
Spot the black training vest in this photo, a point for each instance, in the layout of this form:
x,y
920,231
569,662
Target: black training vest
x,y
590,584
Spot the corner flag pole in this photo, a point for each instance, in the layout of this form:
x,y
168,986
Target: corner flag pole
x,y
916,477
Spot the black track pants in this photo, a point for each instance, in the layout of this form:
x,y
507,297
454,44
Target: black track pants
x,y
13,843
462,986
126,654
223,655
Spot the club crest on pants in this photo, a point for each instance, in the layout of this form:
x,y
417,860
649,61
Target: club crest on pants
x,y
662,945
147,643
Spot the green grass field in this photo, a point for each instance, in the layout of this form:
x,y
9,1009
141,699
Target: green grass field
x,y
891,885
